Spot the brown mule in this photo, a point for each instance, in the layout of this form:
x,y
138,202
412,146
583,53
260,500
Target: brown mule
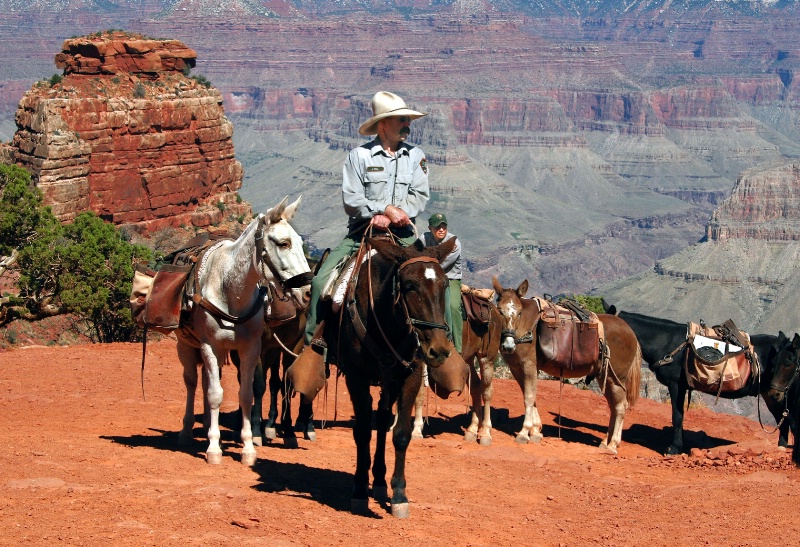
x,y
479,341
521,351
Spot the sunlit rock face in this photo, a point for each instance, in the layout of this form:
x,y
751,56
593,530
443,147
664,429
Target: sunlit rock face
x,y
127,134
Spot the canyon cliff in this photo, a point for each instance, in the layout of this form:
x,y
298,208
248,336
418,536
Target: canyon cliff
x,y
574,144
126,134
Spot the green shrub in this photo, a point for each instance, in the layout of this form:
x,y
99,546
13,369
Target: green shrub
x,y
55,79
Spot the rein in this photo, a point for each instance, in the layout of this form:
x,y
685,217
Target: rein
x,y
410,321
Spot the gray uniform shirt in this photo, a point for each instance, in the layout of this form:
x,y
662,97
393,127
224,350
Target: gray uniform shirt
x,y
373,180
451,264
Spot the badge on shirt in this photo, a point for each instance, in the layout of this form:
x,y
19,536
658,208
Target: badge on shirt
x,y
374,168
423,163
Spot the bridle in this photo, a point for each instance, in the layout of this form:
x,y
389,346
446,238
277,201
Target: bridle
x,y
287,285
784,389
413,323
774,386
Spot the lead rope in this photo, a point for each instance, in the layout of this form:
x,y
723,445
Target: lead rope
x,y
560,390
783,416
144,352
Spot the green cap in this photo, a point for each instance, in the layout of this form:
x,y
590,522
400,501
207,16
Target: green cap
x,y
437,219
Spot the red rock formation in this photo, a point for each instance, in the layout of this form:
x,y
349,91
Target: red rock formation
x,y
763,205
129,136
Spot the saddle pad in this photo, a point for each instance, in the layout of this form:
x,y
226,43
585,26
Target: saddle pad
x,y
341,284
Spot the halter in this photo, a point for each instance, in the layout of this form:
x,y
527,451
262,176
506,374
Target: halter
x,y
525,338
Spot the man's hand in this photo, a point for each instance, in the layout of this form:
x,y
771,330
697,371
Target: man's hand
x,y
381,222
397,217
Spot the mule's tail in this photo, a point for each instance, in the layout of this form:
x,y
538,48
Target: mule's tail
x,y
634,379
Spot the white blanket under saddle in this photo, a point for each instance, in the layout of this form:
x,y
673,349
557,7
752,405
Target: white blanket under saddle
x,y
337,298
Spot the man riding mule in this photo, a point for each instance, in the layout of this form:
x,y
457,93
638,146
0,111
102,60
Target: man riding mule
x,y
384,188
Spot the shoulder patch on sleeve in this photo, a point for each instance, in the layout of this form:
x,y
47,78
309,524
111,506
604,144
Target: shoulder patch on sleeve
x,y
423,163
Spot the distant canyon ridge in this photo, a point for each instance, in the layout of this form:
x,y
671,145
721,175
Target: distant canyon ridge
x,y
648,155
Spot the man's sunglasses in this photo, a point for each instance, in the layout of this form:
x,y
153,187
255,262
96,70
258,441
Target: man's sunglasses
x,y
403,119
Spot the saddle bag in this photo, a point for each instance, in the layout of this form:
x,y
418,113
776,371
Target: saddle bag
x,y
478,309
715,365
566,340
279,307
158,291
164,300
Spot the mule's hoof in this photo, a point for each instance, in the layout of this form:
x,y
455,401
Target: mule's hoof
x,y
249,458
270,434
359,507
673,450
782,448
184,440
310,436
537,438
470,437
486,440
608,450
416,434
257,440
290,442
401,510
522,439
214,458
380,493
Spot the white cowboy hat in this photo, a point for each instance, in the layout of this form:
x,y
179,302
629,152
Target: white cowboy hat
x,y
386,105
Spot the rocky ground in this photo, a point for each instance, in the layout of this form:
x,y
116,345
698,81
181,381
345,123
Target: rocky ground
x,y
89,460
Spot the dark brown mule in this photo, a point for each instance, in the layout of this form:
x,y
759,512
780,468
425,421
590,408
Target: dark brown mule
x,y
391,325
520,348
479,341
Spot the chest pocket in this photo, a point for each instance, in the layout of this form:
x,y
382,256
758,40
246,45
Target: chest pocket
x,y
401,187
375,184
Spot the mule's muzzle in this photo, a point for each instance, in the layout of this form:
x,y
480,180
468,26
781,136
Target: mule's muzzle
x,y
776,395
508,341
437,352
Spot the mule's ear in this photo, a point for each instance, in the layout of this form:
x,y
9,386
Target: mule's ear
x,y
522,289
443,249
387,249
276,213
290,210
498,288
419,245
610,309
796,340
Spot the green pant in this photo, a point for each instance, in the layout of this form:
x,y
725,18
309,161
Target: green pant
x,y
348,247
452,311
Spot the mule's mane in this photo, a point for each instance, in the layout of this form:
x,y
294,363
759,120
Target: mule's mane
x,y
655,321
